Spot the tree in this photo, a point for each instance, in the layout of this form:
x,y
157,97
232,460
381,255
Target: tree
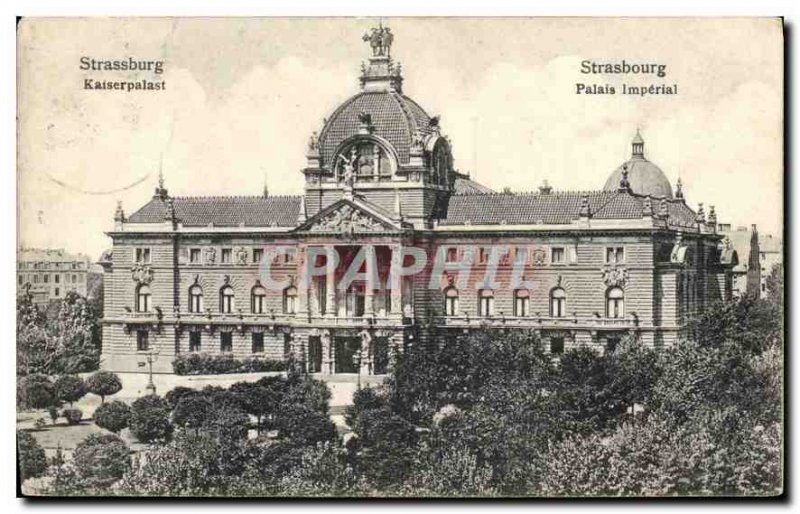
x,y
30,456
38,392
76,331
256,400
104,383
305,426
192,409
101,460
174,395
70,388
149,420
113,416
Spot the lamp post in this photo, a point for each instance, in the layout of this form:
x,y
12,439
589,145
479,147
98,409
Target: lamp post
x,y
151,386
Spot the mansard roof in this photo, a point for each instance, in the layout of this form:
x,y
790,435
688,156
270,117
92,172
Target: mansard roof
x,y
224,211
555,208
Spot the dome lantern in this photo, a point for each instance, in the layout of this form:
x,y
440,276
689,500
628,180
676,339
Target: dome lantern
x,y
637,146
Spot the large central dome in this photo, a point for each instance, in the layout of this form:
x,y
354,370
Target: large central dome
x,y
644,177
394,117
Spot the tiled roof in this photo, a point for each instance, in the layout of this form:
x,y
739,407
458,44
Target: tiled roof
x,y
224,211
465,186
394,116
553,208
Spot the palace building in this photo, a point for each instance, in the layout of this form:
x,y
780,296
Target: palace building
x,y
391,246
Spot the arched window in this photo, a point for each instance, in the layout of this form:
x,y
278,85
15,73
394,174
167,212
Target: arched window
x,y
290,300
226,300
195,298
558,303
522,302
143,298
486,302
615,303
258,300
451,301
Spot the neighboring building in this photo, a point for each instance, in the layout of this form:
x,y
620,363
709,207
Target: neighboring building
x,y
763,250
50,274
189,274
770,254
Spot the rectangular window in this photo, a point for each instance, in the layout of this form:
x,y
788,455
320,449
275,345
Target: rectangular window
x,y
258,254
19,279
287,346
557,255
289,256
483,255
142,256
46,278
74,279
57,278
226,342
258,342
615,255
521,306
227,254
36,279
486,306
451,255
57,292
194,255
194,341
142,340
557,345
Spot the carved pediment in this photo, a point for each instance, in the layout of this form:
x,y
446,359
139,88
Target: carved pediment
x,y
346,219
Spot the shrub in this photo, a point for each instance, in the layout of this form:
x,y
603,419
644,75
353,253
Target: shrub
x,y
175,394
73,416
70,388
305,426
150,419
30,456
113,416
104,383
38,392
307,391
40,423
207,364
192,410
364,399
101,459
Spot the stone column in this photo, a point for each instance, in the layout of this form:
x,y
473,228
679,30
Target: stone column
x,y
327,362
396,281
369,303
302,284
330,281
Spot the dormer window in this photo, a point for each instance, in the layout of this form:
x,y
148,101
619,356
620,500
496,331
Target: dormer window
x,y
364,161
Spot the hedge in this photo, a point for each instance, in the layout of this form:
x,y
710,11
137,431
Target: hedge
x,y
207,364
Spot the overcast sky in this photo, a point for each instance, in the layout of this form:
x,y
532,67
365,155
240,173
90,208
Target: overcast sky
x,y
243,95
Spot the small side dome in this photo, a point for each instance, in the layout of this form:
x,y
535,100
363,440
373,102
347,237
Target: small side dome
x,y
644,177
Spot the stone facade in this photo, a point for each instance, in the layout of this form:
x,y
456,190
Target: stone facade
x,y
392,246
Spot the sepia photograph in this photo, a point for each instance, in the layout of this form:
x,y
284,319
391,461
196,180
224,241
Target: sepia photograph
x,y
400,257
